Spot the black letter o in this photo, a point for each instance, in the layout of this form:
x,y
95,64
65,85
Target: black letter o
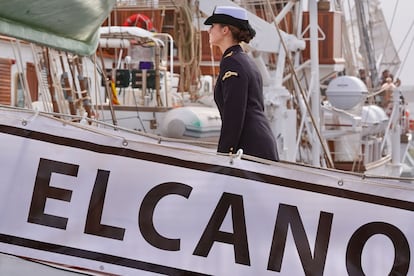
x,y
361,236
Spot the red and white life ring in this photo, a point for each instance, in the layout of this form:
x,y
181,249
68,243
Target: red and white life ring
x,y
139,20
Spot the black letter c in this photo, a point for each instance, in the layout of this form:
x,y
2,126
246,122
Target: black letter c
x,y
146,212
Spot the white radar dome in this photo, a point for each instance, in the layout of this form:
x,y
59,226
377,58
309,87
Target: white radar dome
x,y
345,92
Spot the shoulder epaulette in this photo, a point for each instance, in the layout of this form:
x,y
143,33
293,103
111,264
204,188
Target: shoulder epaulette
x,y
229,54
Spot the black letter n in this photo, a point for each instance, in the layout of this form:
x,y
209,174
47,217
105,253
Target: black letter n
x,y
289,215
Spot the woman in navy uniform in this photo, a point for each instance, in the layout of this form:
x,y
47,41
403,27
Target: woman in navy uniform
x,y
239,91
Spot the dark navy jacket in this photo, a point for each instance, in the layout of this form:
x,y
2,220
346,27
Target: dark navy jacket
x,y
239,97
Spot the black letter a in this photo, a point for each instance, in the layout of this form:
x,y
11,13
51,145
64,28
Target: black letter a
x,y
238,238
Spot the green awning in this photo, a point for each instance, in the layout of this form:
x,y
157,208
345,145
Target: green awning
x,y
69,25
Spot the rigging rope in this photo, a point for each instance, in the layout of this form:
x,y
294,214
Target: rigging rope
x,y
324,146
188,48
391,24
403,41
409,48
406,55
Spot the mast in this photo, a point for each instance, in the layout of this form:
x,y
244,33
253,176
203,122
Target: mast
x,y
315,88
366,43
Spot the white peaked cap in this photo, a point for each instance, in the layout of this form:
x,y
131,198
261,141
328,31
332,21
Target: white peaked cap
x,y
235,12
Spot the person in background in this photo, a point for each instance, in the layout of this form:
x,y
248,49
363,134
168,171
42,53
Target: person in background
x,y
366,79
387,100
362,73
238,92
384,75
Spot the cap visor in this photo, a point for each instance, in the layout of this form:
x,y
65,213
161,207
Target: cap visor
x,y
209,21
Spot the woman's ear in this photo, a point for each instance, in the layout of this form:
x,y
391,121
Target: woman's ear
x,y
225,29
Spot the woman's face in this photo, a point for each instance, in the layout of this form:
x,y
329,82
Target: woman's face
x,y
216,34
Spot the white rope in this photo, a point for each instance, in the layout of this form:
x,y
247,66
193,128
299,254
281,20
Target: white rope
x,y
341,178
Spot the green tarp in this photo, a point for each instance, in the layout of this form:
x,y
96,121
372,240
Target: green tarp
x,y
69,25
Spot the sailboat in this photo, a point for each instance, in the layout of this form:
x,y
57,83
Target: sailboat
x,y
81,195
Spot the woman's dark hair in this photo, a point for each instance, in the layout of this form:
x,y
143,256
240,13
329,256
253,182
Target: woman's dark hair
x,y
240,35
